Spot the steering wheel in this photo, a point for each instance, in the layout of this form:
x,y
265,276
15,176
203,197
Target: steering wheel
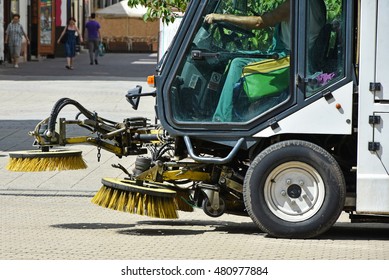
x,y
235,28
232,37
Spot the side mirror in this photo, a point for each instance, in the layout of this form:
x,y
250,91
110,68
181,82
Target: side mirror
x,y
240,5
133,96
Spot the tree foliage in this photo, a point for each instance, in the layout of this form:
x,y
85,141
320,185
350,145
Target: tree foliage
x,y
167,9
163,9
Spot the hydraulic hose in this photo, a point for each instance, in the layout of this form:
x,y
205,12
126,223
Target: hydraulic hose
x,y
59,105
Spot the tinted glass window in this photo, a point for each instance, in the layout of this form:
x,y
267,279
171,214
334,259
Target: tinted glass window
x,y
231,73
325,61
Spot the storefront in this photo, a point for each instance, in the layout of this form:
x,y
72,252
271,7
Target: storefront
x,y
46,26
43,21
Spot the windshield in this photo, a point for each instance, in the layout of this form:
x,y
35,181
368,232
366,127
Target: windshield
x,y
213,83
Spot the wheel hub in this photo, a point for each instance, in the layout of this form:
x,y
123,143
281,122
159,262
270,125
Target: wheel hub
x,y
294,191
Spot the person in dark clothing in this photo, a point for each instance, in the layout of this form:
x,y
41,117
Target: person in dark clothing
x,y
70,32
93,37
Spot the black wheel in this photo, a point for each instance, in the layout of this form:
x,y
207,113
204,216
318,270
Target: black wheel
x,y
294,189
207,208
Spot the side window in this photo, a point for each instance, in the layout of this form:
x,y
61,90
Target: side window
x,y
325,62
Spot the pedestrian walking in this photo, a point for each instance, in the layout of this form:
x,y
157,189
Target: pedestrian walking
x,y
93,37
68,37
14,36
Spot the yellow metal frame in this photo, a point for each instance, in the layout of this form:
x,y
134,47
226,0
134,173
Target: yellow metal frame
x,y
173,175
86,139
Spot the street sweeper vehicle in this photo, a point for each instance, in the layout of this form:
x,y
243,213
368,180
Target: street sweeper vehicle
x,y
285,124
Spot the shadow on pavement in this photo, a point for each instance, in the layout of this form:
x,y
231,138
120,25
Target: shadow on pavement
x,y
14,134
209,226
340,231
227,227
348,231
176,227
161,232
92,226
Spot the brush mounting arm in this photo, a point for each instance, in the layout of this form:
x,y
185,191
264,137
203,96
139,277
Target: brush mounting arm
x,y
129,137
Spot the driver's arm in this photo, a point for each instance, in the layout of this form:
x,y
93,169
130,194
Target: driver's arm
x,y
279,14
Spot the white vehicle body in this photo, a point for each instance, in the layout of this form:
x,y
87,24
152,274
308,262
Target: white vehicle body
x,y
373,163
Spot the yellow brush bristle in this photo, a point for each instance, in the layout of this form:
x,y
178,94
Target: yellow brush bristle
x,y
100,195
136,203
122,202
181,200
46,164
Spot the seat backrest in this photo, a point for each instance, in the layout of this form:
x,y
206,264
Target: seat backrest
x,y
318,53
323,56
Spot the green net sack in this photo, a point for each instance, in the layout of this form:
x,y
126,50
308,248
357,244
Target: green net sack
x,y
265,77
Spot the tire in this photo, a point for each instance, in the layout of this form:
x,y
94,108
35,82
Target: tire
x,y
207,208
294,189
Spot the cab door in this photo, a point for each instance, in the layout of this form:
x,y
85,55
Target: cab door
x,y
199,95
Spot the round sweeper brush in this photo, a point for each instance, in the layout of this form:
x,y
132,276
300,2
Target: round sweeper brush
x,y
37,160
126,196
182,199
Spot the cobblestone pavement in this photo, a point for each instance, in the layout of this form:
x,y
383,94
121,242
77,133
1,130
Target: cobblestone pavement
x,y
47,227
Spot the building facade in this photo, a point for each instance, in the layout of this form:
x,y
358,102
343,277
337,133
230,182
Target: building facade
x,y
44,20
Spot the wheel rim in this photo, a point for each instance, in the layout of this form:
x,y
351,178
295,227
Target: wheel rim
x,y
294,191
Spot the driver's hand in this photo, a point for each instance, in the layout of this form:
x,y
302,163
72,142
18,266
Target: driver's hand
x,y
211,18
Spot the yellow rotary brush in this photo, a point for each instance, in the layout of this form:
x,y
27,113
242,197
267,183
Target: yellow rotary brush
x,y
147,200
37,160
182,198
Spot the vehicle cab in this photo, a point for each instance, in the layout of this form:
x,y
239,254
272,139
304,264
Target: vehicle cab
x,y
275,85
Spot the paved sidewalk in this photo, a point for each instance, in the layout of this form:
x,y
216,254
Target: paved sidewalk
x,y
27,100
111,67
72,228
